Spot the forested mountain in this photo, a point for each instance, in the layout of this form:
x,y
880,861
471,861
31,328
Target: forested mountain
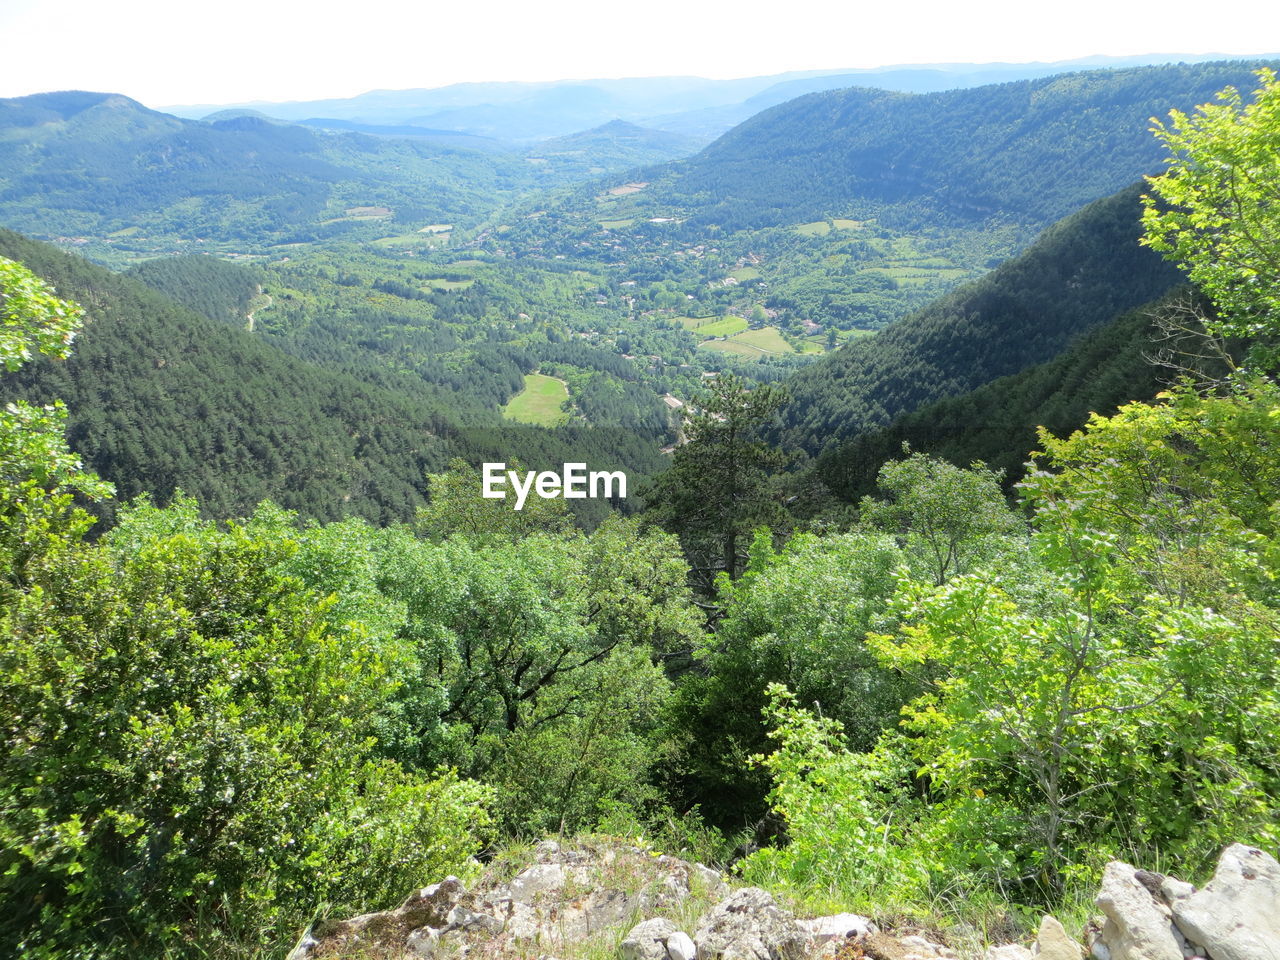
x,y
844,211
1103,369
218,289
162,397
617,145
1081,273
1030,150
99,165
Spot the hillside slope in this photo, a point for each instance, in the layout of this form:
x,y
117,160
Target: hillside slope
x,y
1030,150
162,397
1109,366
1081,273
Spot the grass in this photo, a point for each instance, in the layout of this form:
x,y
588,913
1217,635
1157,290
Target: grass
x,y
438,283
820,228
733,346
768,339
743,274
617,224
410,241
540,402
714,326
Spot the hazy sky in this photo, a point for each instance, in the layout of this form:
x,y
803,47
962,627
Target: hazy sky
x,y
166,52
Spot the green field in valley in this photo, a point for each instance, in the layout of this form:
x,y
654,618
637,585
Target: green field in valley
x,y
714,326
753,343
541,402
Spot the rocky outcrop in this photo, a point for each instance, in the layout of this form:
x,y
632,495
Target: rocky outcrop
x,y
565,897
568,896
1153,917
648,940
562,897
1138,926
750,926
1054,943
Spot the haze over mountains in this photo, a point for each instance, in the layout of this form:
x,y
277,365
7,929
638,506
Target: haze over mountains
x,y
693,106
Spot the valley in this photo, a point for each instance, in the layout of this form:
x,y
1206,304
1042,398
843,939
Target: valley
x,y
838,511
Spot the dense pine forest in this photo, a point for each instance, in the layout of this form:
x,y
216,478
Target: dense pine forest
x,y
946,573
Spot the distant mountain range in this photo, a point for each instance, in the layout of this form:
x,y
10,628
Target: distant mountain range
x,y
98,166
1030,150
693,106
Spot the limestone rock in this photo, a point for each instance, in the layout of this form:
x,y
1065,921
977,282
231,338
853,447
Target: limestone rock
x,y
647,940
464,918
1053,942
1136,927
680,946
836,927
428,907
539,880
566,895
921,948
1237,914
1173,889
748,925
423,943
1008,951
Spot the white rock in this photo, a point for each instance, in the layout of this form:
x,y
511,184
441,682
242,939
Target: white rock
x,y
423,943
917,946
712,880
1237,914
541,878
835,927
1135,928
680,946
1054,943
647,940
1174,889
1008,951
749,925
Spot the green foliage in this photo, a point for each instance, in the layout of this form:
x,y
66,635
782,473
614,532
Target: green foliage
x,y
216,288
950,520
848,814
32,317
1113,694
795,617
186,738
715,491
456,507
39,476
576,761
1216,210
